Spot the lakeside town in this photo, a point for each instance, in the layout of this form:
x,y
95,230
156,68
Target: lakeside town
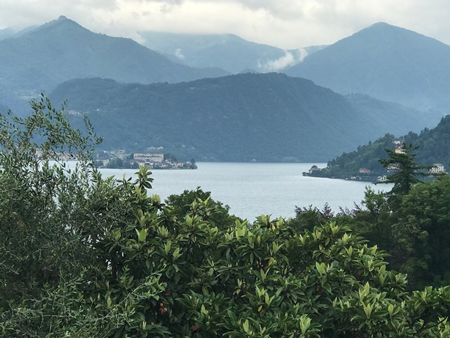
x,y
376,173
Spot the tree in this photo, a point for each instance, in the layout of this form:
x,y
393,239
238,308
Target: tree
x,y
112,261
423,232
405,171
39,193
374,222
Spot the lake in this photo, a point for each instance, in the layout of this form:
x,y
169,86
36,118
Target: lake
x,y
252,189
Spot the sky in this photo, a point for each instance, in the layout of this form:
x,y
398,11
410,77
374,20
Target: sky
x,y
286,24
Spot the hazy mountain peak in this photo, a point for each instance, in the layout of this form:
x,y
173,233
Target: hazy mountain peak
x,y
381,24
384,61
59,26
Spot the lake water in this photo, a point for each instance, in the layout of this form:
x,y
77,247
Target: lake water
x,y
252,189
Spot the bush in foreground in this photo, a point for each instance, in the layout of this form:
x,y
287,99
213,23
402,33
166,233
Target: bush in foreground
x,y
85,256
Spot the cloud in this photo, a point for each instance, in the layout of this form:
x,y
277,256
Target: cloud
x,y
287,24
25,13
289,59
179,54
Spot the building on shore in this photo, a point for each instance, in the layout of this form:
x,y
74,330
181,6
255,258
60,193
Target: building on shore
x,y
148,159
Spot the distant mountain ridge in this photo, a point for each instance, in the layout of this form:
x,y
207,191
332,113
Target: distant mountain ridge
x,y
62,49
225,51
387,62
245,117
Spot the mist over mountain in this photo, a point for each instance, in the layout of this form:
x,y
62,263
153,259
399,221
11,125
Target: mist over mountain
x,y
386,62
245,117
225,51
60,50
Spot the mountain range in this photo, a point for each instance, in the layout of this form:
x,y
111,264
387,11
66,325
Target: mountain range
x,y
203,112
387,62
245,117
225,51
60,50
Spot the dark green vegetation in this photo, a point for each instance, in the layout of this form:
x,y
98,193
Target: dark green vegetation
x,y
86,256
118,163
433,146
402,170
411,223
225,51
60,50
386,62
265,117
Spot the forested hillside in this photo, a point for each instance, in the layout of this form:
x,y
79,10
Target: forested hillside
x,y
245,117
433,146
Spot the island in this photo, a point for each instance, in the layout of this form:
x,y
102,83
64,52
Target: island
x,y
118,159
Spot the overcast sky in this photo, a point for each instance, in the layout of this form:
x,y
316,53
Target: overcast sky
x,y
282,23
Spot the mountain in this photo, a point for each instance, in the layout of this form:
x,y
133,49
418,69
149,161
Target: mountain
x,y
245,117
6,33
61,50
387,113
386,62
225,51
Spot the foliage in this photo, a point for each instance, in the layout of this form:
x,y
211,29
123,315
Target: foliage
x,y
403,169
38,197
88,256
433,143
310,217
424,233
412,228
195,202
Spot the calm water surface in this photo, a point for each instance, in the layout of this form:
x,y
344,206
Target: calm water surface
x,y
252,189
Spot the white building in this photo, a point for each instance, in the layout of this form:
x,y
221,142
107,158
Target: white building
x,y
437,168
148,158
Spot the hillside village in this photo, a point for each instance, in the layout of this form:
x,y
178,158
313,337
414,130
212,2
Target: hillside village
x,y
372,174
